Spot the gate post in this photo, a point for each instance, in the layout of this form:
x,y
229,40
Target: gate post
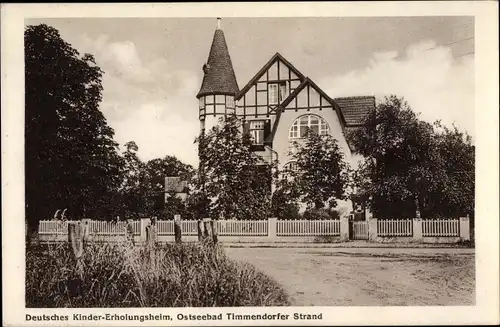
x,y
417,230
464,229
271,227
344,228
372,229
145,222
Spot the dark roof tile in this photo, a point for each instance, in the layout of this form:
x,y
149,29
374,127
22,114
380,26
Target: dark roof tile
x,y
219,75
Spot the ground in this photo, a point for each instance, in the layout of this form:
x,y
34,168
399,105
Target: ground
x,y
368,276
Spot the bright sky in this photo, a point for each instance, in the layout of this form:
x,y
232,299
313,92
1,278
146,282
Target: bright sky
x,y
153,66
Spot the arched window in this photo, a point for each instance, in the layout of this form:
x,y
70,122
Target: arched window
x,y
290,166
313,122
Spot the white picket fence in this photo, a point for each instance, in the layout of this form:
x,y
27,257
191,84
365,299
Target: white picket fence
x,y
53,227
441,227
395,227
242,227
166,227
308,227
272,227
96,227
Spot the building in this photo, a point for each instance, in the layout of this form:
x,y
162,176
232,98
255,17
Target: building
x,y
278,104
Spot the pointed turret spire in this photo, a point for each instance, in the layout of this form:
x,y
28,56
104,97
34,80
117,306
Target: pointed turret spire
x,y
219,75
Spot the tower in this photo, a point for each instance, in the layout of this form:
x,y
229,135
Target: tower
x,y
219,86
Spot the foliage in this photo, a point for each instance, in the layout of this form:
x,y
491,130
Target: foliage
x,y
285,199
232,175
322,175
70,156
409,168
174,205
142,192
455,193
320,214
182,275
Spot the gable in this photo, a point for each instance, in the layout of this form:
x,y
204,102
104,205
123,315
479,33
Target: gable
x,y
276,69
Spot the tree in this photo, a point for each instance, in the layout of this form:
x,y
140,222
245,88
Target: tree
x,y
134,188
285,199
455,191
71,159
408,167
236,180
322,174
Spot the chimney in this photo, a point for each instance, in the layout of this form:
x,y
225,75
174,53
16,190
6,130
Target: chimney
x,y
218,22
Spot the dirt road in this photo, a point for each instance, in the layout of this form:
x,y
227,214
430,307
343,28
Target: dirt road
x,y
373,276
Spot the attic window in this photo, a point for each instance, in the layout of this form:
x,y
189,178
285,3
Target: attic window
x,y
277,92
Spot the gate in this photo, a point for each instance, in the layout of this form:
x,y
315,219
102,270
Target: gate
x,y
359,230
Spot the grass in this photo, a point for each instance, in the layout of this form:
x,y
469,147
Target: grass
x,y
193,275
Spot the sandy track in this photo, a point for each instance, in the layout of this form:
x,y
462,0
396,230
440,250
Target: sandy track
x,y
375,276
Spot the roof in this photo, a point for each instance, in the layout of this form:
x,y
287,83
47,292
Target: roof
x,y
355,109
277,56
175,184
219,75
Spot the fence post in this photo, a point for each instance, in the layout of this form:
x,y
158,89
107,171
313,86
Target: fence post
x,y
372,229
145,222
75,238
417,230
206,227
200,230
344,228
213,227
464,229
86,229
272,226
177,228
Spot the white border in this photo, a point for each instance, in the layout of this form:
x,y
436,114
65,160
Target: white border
x,y
486,310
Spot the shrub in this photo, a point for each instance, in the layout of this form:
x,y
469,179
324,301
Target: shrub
x,y
320,214
191,275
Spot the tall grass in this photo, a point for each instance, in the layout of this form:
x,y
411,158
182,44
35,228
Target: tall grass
x,y
173,275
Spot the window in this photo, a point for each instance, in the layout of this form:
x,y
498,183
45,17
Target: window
x,y
257,131
290,166
313,122
229,101
288,169
202,103
277,92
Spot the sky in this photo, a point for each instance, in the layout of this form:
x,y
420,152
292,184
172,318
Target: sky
x,y
153,66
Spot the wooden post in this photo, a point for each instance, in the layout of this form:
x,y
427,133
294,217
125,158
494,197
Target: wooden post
x,y
130,232
200,230
151,235
177,228
75,238
213,227
207,230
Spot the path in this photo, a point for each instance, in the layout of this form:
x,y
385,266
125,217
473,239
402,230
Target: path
x,y
368,276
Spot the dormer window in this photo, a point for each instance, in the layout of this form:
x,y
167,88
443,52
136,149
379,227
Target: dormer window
x,y
277,92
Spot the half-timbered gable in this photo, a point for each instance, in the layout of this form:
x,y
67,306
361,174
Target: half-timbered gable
x,y
272,84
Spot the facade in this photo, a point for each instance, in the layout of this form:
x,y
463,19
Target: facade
x,y
276,105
